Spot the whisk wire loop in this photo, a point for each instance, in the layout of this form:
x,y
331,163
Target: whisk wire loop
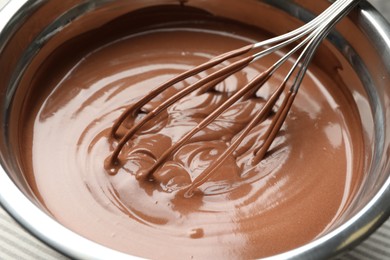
x,y
307,39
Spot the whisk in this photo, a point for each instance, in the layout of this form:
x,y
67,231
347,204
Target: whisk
x,y
306,39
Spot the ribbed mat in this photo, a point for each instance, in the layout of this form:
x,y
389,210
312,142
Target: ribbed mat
x,y
377,247
16,243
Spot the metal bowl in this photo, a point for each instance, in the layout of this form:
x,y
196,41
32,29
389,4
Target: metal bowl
x,y
29,32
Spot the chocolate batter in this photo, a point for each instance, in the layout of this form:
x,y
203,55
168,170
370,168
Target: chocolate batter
x,y
246,209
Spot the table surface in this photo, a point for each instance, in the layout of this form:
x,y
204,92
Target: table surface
x,y
16,243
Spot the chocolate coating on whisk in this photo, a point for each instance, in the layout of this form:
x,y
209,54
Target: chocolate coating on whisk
x,y
310,35
202,86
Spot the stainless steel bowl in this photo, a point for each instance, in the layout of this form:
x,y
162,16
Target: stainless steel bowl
x,y
29,32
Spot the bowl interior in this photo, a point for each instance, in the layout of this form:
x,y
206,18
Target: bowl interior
x,y
360,46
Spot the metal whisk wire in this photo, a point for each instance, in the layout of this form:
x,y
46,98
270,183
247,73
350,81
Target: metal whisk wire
x,y
308,38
